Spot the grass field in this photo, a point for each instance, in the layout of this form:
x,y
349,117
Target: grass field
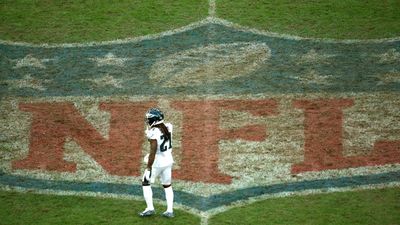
x,y
347,19
87,21
17,208
333,208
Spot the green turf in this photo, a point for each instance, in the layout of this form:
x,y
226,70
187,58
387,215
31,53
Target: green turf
x,y
28,208
82,21
344,19
378,207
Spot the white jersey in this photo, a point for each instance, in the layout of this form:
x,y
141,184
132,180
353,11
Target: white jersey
x,y
164,146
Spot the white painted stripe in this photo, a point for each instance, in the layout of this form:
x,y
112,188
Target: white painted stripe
x,y
204,220
211,8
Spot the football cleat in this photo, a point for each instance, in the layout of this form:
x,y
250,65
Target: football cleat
x,y
168,214
146,213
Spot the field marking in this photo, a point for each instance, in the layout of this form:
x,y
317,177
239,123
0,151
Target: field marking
x,y
27,82
211,8
286,135
106,80
222,62
109,60
199,203
204,22
30,61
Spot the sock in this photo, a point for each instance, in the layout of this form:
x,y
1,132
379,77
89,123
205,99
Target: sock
x,y
148,197
169,197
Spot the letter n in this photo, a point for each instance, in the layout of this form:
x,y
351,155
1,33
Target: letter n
x,y
52,123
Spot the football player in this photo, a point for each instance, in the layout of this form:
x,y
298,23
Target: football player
x,y
159,161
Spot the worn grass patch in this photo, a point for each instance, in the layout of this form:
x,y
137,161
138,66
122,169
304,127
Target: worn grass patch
x,y
345,19
83,21
378,207
29,208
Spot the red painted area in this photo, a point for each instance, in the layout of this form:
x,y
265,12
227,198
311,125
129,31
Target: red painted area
x,y
202,133
120,153
52,123
323,147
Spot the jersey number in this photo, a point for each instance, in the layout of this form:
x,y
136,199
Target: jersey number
x,y
164,147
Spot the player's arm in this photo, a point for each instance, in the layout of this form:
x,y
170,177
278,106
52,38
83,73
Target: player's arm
x,y
153,149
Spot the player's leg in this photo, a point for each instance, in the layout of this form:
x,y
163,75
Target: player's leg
x,y
166,181
148,192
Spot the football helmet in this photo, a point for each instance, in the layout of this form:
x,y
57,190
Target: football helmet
x,y
154,116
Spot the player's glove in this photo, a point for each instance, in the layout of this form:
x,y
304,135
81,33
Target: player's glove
x,y
147,175
146,159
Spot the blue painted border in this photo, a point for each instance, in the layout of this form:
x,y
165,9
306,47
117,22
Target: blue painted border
x,y
194,201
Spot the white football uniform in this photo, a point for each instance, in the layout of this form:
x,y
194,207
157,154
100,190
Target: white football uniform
x,y
163,161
